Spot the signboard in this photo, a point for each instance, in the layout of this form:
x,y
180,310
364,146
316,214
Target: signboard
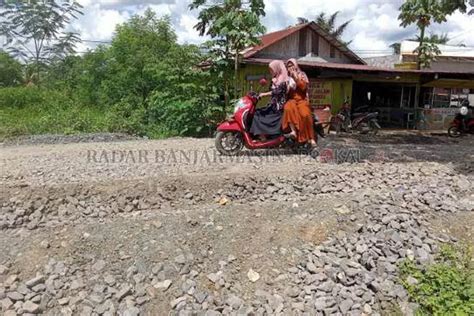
x,y
320,93
438,118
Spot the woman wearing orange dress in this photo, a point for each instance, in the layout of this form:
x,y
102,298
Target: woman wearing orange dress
x,y
297,115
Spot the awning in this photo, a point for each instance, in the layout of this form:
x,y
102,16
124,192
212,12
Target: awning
x,y
451,83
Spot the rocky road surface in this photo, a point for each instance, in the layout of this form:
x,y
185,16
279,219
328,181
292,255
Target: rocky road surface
x,y
169,227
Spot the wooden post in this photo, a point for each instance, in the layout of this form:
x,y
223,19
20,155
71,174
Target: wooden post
x,y
417,101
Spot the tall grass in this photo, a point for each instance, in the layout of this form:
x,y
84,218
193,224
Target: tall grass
x,y
29,111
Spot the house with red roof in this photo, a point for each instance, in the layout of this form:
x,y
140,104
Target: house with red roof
x,y
403,97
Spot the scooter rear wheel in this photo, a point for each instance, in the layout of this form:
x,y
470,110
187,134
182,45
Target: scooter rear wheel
x,y
229,143
374,127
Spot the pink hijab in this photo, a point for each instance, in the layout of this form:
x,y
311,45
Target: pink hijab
x,y
279,71
301,73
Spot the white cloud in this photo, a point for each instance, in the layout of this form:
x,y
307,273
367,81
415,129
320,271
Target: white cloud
x,y
99,24
374,22
186,32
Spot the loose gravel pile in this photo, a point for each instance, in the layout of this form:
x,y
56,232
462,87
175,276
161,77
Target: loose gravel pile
x,y
313,239
67,139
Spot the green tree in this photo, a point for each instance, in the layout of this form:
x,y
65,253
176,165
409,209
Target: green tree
x,y
396,48
138,47
10,70
450,6
151,83
328,23
81,77
442,39
233,25
423,13
36,30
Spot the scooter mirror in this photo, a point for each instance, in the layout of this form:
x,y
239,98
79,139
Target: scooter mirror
x,y
263,82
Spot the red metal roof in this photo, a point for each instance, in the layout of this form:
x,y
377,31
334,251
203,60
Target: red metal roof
x,y
271,38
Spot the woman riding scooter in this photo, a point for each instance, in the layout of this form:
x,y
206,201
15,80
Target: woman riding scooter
x,y
267,121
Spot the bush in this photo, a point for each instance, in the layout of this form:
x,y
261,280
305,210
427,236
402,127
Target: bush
x,y
444,288
38,111
127,116
21,96
177,116
10,70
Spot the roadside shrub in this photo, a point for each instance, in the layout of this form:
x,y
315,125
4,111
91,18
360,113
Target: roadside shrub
x,y
59,117
21,96
174,116
443,288
127,116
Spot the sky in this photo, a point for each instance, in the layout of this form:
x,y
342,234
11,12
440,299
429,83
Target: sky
x,y
373,28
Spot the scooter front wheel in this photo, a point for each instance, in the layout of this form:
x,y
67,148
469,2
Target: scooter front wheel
x,y
454,132
229,143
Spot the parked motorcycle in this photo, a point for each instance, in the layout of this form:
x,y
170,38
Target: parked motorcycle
x,y
463,123
363,122
233,134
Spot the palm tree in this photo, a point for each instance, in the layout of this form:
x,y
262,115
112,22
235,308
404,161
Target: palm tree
x,y
328,23
396,48
433,38
302,20
442,39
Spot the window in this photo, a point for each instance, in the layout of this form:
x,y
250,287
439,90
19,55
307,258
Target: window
x,y
445,97
315,44
303,41
332,52
408,97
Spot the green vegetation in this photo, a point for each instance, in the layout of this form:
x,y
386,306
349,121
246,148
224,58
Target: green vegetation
x,y
36,31
328,23
233,26
32,110
144,83
445,287
422,13
10,71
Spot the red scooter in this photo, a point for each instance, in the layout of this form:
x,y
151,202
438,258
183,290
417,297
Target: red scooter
x,y
233,134
463,123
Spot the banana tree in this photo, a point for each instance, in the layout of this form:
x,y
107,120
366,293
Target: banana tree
x,y
233,25
423,13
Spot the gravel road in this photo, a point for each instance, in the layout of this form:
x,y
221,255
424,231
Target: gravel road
x,y
109,225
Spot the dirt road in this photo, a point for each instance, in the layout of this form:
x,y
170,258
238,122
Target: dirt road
x,y
163,227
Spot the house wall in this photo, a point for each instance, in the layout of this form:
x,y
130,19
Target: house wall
x,y
329,92
445,64
290,48
325,52
339,89
453,66
249,76
284,49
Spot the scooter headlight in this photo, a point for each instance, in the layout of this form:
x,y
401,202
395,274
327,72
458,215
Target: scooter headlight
x,y
238,105
464,110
